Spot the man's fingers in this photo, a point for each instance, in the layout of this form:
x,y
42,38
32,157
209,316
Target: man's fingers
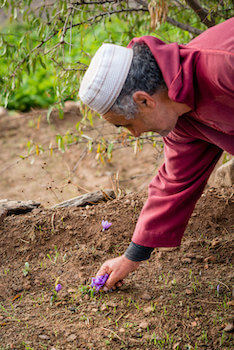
x,y
119,284
117,269
103,270
112,281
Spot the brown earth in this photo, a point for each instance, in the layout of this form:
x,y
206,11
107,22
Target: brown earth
x,y
179,299
51,179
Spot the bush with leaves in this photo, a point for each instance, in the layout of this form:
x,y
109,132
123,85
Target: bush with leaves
x,y
46,46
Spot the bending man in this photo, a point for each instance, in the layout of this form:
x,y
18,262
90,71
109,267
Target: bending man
x,y
186,94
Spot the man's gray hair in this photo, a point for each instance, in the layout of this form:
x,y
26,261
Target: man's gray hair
x,y
144,75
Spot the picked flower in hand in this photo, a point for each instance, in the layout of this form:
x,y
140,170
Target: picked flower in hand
x,y
105,225
99,281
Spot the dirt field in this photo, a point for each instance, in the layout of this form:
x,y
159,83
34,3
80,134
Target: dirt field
x,y
50,179
179,299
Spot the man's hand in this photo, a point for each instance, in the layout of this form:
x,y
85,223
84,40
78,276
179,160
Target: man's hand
x,y
118,269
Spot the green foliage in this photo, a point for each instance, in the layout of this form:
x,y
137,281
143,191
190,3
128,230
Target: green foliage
x,y
26,269
44,49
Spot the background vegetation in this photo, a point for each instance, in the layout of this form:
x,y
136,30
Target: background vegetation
x,y
45,46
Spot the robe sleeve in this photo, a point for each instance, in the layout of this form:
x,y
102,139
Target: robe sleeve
x,y
175,190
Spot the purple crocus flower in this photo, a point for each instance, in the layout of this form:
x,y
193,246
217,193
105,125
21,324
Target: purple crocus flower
x,y
218,286
58,287
99,281
105,225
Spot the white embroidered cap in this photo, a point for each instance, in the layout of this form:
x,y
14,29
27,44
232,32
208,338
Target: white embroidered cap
x,y
105,77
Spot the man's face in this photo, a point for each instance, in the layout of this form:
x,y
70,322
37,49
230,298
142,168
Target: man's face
x,y
143,122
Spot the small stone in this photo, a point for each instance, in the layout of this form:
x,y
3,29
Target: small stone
x,y
193,324
215,242
186,260
144,325
72,337
72,309
27,286
103,307
121,330
188,291
147,310
206,266
229,327
127,201
18,289
133,203
111,304
210,259
44,336
146,296
199,258
94,310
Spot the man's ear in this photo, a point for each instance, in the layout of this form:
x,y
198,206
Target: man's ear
x,y
143,100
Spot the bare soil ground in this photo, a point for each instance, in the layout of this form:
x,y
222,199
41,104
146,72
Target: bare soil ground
x,y
50,179
179,299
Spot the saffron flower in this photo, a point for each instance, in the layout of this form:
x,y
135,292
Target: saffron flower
x,y
218,287
58,287
99,281
105,225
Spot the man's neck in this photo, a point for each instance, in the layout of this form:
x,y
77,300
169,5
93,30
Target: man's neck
x,y
178,108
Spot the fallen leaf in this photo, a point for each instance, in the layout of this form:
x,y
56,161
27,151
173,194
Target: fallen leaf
x,y
17,296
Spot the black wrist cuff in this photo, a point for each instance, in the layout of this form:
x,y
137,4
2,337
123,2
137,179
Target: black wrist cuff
x,y
136,252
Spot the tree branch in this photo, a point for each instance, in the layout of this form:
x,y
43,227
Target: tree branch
x,y
201,13
172,21
183,26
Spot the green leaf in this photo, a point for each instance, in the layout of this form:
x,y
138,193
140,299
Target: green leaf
x,y
50,109
41,62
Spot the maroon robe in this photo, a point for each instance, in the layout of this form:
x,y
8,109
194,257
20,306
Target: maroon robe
x,y
200,75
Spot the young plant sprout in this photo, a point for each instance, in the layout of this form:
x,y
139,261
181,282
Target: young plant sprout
x,y
105,225
53,297
99,281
